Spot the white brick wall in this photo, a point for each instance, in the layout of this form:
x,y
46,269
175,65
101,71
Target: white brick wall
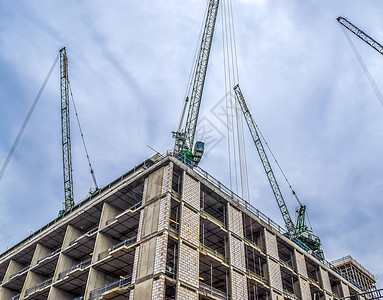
x,y
184,293
190,225
271,244
305,288
164,214
238,285
235,221
301,263
161,251
167,178
237,253
191,191
274,274
158,289
134,271
188,269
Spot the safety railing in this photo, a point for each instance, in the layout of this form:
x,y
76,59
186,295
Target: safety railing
x,y
89,233
214,252
209,290
130,209
122,283
171,272
82,265
127,242
19,272
349,258
39,286
49,255
79,298
16,297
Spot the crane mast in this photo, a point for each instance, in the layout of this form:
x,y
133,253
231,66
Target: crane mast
x,y
300,229
65,130
360,34
184,139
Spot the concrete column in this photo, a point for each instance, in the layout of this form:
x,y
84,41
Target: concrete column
x,y
13,268
325,280
64,263
6,293
96,279
31,280
56,293
71,233
108,212
345,290
304,286
300,263
40,252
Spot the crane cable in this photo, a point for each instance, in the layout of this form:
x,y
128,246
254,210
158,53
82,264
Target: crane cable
x,y
374,86
18,137
82,138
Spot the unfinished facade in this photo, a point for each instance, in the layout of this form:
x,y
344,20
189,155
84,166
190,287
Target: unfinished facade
x,y
165,231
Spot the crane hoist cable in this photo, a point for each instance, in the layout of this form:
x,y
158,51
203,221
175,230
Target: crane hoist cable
x,y
371,80
25,123
83,139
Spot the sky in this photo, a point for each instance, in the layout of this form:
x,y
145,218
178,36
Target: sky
x,y
129,63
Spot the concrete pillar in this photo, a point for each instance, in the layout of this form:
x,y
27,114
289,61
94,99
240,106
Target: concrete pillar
x,y
345,290
108,212
40,252
56,293
71,233
96,279
325,280
6,293
31,280
304,288
64,263
13,268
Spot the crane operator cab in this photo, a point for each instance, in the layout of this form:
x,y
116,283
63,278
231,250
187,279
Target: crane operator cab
x,y
199,148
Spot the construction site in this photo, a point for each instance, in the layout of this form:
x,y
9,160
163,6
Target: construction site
x,y
167,229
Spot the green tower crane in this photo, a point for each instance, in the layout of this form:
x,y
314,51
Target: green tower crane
x,y
184,137
300,230
65,130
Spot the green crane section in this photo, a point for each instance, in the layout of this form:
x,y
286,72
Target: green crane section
x,y
184,138
65,130
300,230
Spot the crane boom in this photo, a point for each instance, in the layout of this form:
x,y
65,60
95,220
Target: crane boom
x,y
185,138
360,34
265,161
65,130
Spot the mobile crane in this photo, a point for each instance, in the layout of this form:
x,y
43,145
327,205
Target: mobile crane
x,y
300,230
184,137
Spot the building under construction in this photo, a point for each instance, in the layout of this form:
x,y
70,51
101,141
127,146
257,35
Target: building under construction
x,y
167,231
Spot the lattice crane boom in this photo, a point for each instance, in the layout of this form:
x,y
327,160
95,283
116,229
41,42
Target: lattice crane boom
x,y
299,230
184,138
65,130
265,161
360,34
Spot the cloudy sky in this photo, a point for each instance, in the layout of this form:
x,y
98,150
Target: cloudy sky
x,y
129,66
